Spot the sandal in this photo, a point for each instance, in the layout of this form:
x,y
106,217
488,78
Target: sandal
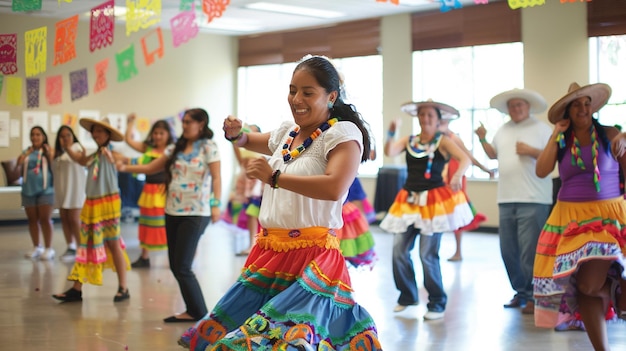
x,y
71,295
121,295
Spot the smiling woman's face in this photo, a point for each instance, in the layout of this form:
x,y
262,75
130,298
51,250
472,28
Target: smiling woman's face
x,y
308,100
100,135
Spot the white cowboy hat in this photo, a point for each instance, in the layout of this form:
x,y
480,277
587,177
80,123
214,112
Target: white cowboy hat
x,y
537,103
447,112
599,94
88,123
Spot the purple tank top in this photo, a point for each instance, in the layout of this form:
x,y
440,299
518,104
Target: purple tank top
x,y
577,184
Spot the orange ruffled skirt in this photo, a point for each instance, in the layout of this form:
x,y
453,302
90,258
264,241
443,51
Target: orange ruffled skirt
x,y
437,210
574,233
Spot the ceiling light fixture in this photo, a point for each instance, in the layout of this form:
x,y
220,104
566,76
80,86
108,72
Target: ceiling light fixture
x,y
228,25
294,10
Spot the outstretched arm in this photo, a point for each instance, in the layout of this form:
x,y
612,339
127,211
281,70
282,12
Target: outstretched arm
x,y
253,141
155,166
474,161
393,147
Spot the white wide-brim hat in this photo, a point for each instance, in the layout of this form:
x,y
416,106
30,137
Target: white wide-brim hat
x,y
599,94
447,112
88,123
537,103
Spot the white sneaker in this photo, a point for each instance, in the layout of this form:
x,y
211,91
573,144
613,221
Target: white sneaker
x,y
47,255
399,308
35,253
432,315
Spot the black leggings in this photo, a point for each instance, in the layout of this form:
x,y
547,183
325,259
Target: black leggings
x,y
183,234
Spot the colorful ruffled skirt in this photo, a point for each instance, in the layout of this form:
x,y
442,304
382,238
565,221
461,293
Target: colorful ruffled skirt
x,y
355,238
574,233
238,213
152,217
437,210
356,193
478,218
100,222
293,294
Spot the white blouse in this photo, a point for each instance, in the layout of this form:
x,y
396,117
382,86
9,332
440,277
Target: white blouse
x,y
285,209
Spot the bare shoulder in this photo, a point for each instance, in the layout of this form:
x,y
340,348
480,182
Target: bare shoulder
x,y
611,132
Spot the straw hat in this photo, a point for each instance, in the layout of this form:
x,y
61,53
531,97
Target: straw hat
x,y
447,112
599,94
537,102
88,123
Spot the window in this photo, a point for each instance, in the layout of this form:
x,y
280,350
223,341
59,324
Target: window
x,y
263,90
467,78
606,57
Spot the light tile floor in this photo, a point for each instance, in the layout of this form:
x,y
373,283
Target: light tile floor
x,y
475,320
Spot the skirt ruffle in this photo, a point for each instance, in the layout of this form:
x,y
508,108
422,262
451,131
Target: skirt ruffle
x,y
574,233
238,214
355,238
151,203
436,211
476,221
100,222
293,294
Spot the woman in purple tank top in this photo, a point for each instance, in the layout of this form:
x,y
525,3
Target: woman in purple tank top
x,y
579,264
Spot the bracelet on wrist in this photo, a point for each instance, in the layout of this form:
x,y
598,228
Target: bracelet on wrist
x,y
215,202
482,140
391,134
233,139
560,139
242,140
274,179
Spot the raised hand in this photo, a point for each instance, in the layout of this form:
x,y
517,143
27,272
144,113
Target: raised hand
x,y
232,126
481,131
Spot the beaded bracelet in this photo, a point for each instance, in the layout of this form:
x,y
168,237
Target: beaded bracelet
x,y
215,202
482,140
274,179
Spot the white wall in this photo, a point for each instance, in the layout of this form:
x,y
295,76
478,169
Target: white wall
x,y
199,73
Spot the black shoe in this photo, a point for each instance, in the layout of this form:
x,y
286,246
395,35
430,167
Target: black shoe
x,y
141,263
121,295
174,319
70,295
516,302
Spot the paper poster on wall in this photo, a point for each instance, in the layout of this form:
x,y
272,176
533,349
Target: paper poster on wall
x,y
55,123
4,128
15,128
70,120
118,121
84,135
31,119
